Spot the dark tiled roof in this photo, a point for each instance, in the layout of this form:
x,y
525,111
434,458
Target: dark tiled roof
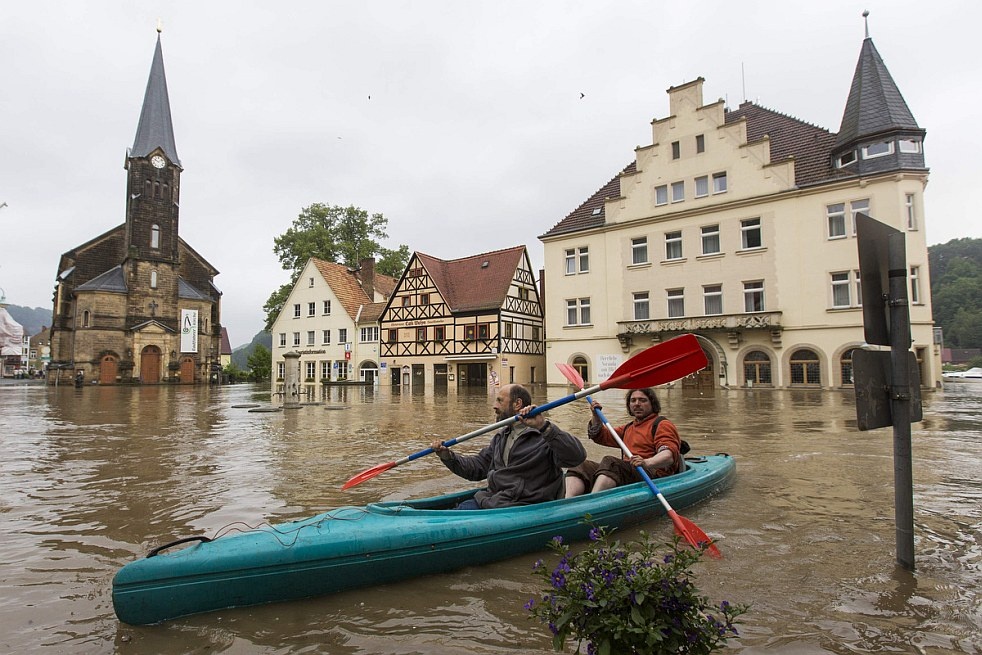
x,y
809,145
587,216
155,129
475,283
875,104
188,292
226,345
112,280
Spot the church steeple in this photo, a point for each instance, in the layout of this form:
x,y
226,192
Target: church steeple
x,y
154,175
155,129
878,130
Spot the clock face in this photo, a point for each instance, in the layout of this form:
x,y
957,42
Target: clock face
x,y
158,161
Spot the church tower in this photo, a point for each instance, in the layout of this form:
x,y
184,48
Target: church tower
x,y
154,176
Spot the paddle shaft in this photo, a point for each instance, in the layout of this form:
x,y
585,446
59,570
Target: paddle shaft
x,y
500,424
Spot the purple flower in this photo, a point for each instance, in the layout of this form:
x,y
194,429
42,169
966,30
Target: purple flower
x,y
558,539
553,628
529,605
537,565
558,579
595,534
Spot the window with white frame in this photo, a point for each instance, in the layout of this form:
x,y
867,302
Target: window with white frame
x,y
311,369
719,182
639,250
641,309
912,146
678,191
874,150
296,338
343,335
753,296
282,339
710,239
915,284
702,186
673,245
845,159
750,233
713,299
836,217
368,334
840,290
577,260
327,308
578,311
296,310
661,195
676,302
859,288
325,337
311,309
311,336
326,369
909,209
858,207
280,368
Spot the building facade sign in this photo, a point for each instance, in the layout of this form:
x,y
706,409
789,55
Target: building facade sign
x,y
189,330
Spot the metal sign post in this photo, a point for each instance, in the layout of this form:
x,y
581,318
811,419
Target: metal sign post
x,y
886,320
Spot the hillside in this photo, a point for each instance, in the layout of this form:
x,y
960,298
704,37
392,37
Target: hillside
x,y
956,291
33,320
240,355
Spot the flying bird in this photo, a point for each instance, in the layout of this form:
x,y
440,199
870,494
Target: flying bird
x,y
582,95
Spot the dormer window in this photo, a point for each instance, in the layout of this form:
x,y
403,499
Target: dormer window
x,y
912,146
155,236
875,150
846,159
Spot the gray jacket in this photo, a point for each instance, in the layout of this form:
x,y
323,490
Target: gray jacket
x,y
534,472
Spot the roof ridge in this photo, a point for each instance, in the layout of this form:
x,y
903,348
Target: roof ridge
x,y
782,114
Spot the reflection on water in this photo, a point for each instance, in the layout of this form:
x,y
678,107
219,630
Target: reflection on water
x,y
92,478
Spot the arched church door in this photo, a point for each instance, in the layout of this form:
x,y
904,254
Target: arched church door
x,y
107,370
150,365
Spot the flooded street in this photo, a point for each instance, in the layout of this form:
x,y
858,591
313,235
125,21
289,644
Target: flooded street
x,y
92,478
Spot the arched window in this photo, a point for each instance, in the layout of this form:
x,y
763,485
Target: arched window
x,y
845,366
581,366
156,189
757,368
805,368
85,318
153,279
155,236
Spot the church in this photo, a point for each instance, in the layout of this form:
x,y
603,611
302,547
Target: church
x,y
137,303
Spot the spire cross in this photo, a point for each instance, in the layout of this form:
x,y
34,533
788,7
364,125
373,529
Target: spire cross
x,y
865,20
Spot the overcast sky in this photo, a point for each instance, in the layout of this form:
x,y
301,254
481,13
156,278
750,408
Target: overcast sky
x,y
462,122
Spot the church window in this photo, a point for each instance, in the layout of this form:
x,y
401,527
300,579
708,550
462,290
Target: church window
x,y
85,318
153,279
156,189
155,236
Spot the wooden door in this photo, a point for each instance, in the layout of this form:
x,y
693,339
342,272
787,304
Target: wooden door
x,y
187,370
150,365
108,370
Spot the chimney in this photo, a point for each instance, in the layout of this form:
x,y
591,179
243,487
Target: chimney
x,y
366,275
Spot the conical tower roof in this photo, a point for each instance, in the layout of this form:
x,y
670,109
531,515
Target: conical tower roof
x,y
875,105
155,129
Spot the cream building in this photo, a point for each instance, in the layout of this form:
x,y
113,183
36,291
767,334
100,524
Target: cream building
x,y
330,320
738,226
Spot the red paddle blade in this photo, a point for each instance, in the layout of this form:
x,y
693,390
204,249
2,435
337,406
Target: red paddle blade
x,y
694,535
571,374
660,364
368,474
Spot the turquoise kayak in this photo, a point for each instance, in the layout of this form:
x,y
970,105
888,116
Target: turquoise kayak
x,y
351,547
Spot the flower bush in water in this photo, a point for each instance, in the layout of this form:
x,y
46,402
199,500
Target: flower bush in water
x,y
626,598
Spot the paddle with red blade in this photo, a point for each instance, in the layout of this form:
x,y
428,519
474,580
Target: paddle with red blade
x,y
683,526
664,362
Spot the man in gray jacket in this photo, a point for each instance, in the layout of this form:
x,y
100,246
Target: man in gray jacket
x,y
524,461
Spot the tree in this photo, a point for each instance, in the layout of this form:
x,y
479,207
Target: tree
x,y
345,235
260,363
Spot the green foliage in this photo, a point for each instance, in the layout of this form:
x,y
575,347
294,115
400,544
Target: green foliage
x,y
260,363
345,235
956,291
625,598
234,374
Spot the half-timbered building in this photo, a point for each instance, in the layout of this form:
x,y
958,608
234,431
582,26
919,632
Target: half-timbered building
x,y
472,321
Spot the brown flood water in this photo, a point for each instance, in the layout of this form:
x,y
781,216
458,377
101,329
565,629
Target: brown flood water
x,y
92,478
